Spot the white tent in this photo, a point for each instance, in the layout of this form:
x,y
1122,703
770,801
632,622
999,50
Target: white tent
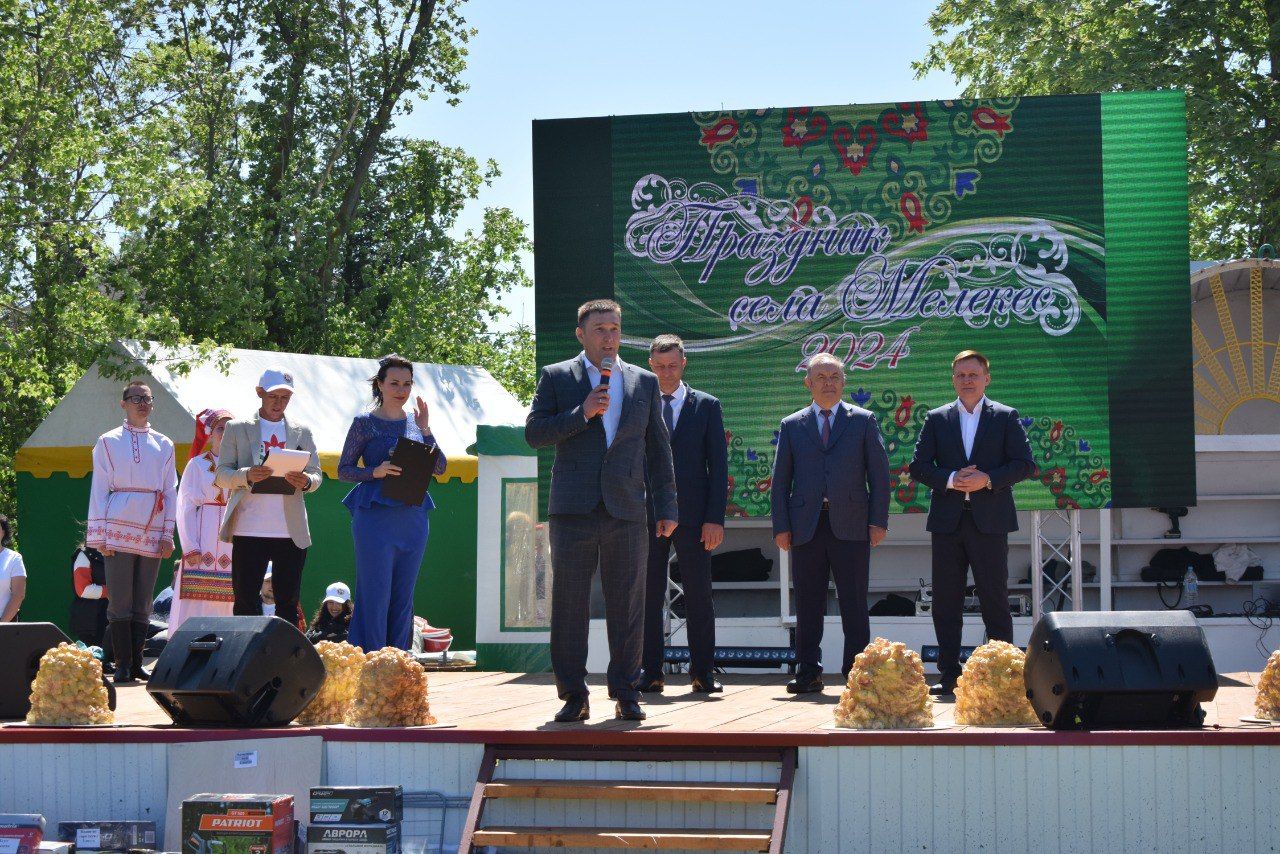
x,y
329,392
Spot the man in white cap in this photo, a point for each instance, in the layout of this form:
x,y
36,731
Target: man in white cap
x,y
267,524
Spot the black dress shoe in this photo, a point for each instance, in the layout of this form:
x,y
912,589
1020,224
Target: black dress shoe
x,y
650,685
945,688
705,684
629,710
805,683
575,709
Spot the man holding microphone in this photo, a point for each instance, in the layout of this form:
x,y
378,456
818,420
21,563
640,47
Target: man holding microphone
x,y
604,418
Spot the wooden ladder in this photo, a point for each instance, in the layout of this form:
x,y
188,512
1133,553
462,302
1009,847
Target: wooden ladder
x,y
767,839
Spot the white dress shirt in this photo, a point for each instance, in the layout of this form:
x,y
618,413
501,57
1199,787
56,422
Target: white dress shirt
x,y
677,403
817,413
968,429
613,414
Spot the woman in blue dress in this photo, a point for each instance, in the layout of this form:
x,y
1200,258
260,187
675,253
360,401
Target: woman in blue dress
x,y
390,535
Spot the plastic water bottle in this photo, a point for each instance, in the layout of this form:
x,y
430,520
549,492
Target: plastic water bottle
x,y
1190,588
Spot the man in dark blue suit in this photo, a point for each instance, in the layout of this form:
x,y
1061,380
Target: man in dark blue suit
x,y
830,505
701,455
970,453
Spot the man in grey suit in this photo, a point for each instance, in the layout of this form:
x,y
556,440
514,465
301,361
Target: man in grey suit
x,y
607,429
830,505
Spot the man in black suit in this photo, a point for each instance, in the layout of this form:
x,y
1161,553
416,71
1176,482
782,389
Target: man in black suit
x,y
970,453
701,457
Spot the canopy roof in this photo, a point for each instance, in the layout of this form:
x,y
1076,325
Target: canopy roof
x,y
328,392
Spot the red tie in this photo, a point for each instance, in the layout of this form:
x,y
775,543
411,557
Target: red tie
x,y
826,427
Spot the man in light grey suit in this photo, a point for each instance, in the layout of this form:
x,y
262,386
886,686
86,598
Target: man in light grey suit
x,y
609,436
266,526
830,505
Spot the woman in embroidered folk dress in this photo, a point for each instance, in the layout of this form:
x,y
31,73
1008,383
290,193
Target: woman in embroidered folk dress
x,y
202,586
390,536
132,507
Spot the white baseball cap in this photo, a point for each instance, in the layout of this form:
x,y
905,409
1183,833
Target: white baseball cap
x,y
273,379
337,592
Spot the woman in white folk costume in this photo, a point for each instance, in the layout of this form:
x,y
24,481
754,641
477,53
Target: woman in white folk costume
x,y
202,583
133,503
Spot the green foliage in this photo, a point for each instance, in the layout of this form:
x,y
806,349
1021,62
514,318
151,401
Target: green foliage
x,y
1226,56
227,171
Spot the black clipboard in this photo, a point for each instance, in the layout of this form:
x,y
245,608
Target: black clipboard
x,y
417,462
273,486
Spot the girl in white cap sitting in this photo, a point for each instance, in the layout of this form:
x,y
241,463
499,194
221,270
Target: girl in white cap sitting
x,y
333,619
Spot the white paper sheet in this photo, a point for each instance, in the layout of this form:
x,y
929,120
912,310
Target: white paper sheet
x,y
281,461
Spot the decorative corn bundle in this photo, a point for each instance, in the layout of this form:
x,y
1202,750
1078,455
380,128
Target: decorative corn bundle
x,y
391,691
991,691
1268,702
886,690
68,689
342,663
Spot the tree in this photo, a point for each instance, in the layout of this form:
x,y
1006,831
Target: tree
x,y
228,171
1226,56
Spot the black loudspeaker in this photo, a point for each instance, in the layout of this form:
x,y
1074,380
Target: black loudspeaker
x,y
236,672
1119,670
21,645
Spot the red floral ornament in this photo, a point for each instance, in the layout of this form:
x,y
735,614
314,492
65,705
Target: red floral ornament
x,y
801,128
989,120
719,133
903,413
907,122
913,212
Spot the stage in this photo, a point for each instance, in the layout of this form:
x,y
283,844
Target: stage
x,y
951,788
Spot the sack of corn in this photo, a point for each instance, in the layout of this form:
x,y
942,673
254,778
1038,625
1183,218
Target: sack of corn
x,y
68,689
886,690
991,691
342,663
1268,702
391,692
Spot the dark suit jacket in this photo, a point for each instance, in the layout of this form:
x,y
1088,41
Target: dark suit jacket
x,y
585,472
701,457
852,472
1000,448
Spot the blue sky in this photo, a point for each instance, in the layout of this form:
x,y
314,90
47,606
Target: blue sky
x,y
546,59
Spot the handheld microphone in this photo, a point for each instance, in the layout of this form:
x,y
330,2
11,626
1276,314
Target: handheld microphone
x,y
606,369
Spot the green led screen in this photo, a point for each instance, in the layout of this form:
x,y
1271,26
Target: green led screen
x,y
1050,233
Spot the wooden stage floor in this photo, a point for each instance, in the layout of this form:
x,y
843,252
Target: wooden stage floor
x,y
514,708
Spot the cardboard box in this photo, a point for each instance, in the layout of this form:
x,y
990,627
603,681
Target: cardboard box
x,y
108,835
21,833
356,804
50,846
237,824
353,839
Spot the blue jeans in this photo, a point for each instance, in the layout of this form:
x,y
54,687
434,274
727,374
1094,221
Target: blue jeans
x,y
390,542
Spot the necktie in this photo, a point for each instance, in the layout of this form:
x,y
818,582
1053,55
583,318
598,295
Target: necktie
x,y
826,427
668,415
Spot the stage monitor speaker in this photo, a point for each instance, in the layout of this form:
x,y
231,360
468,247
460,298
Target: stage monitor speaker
x,y
1119,670
236,672
21,645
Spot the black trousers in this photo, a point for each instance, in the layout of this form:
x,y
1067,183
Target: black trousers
x,y
249,556
954,554
700,615
581,543
812,564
